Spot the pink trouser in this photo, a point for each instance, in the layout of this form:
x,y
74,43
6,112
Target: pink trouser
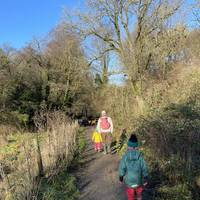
x,y
97,146
134,193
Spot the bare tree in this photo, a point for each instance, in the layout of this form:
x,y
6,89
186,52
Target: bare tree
x,y
100,61
128,27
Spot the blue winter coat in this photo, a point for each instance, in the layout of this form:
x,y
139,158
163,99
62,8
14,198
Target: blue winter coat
x,y
133,168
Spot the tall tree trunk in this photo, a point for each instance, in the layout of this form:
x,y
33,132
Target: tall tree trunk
x,y
104,76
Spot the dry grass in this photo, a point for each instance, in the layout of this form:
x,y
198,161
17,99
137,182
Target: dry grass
x,y
29,156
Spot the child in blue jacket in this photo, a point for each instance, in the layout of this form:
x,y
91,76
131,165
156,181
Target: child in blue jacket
x,y
133,170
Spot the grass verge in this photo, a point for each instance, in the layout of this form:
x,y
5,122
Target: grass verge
x,y
63,185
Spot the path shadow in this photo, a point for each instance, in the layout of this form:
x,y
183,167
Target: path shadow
x,y
89,152
83,185
86,162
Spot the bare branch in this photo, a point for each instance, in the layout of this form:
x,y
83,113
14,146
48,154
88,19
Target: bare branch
x,y
100,56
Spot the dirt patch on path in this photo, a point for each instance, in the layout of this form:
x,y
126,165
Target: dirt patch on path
x,y
98,176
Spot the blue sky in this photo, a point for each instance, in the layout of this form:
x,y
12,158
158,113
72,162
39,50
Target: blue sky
x,y
21,20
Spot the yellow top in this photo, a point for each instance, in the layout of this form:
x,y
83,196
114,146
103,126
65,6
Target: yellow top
x,y
96,137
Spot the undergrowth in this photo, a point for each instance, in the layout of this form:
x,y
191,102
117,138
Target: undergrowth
x,y
170,129
63,185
